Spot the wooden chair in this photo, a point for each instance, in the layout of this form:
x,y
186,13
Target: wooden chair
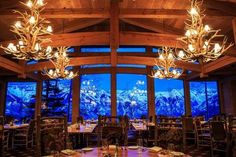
x,y
24,137
5,139
189,133
219,138
202,134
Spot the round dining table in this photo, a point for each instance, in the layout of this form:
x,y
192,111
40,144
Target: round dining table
x,y
122,152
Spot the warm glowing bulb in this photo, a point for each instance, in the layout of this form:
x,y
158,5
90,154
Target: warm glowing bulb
x,y
161,57
170,56
49,49
187,34
174,72
56,55
71,74
32,20
49,29
166,72
181,54
64,54
207,28
11,47
217,48
193,11
29,4
191,48
66,72
37,47
50,72
40,2
18,24
21,43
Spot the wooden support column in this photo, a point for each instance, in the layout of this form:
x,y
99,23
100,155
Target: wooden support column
x,y
234,29
75,97
38,103
187,101
114,31
150,88
3,91
221,96
113,91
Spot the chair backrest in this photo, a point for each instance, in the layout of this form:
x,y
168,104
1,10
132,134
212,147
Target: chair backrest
x,y
218,130
80,119
187,123
31,127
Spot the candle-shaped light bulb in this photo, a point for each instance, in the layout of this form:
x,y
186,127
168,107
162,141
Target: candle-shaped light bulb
x,y
37,47
207,28
187,34
161,57
18,24
170,56
49,29
191,48
11,47
49,49
174,72
181,54
50,72
217,48
32,20
56,55
66,72
40,2
21,43
29,4
193,11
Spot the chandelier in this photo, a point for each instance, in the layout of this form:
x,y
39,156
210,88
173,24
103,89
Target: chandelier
x,y
30,30
165,66
60,61
200,39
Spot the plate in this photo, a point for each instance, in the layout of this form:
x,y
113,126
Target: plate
x,y
155,149
133,147
87,149
68,152
177,153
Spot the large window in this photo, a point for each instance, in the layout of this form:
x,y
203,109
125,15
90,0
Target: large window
x,y
204,99
57,99
132,95
169,97
95,97
20,100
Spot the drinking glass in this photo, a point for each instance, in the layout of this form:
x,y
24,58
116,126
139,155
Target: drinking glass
x,y
140,145
105,146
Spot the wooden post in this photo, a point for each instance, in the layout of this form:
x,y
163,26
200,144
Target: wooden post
x,y
1,136
75,97
38,137
150,89
113,92
221,96
38,103
3,91
188,111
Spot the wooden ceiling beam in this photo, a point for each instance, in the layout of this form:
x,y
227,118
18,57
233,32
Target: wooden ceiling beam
x,y
73,13
12,66
76,25
102,38
218,64
78,61
153,26
225,7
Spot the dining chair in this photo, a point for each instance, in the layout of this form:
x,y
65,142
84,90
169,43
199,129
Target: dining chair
x,y
220,141
189,132
202,134
24,137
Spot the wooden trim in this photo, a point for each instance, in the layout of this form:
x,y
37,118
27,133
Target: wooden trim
x,y
38,99
73,13
113,92
76,97
3,92
187,102
234,29
10,65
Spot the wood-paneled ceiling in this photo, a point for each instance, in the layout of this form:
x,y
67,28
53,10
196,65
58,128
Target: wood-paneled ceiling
x,y
131,22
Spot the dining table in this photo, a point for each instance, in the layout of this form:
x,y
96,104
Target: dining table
x,y
124,152
81,131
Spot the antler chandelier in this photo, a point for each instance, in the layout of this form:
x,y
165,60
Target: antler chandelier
x,y
30,30
201,39
165,66
60,62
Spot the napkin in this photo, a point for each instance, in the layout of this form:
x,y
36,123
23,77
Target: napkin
x,y
155,149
